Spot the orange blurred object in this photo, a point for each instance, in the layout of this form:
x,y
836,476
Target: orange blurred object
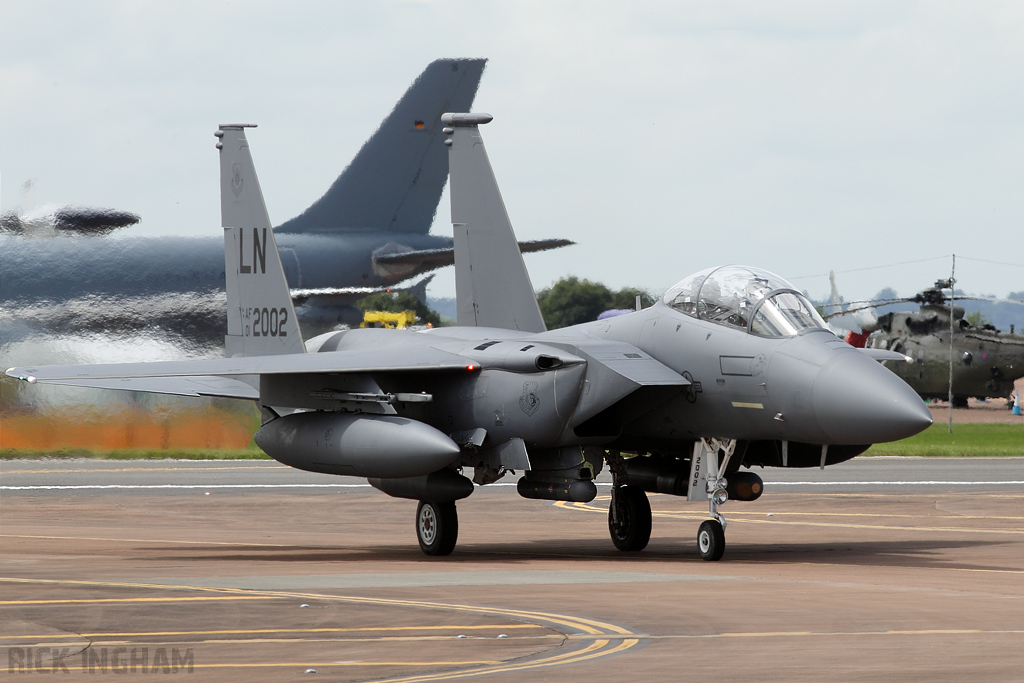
x,y
125,428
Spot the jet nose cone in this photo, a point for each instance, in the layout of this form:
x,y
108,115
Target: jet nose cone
x,y
857,401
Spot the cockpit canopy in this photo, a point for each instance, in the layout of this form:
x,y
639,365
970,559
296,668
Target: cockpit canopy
x,y
745,298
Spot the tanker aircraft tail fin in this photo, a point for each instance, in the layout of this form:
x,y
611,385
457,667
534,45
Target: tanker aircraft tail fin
x,y
261,319
395,181
492,286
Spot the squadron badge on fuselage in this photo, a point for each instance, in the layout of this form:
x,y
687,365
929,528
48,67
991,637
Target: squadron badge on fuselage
x,y
529,401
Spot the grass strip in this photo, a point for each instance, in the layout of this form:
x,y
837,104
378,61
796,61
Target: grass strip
x,y
966,440
137,454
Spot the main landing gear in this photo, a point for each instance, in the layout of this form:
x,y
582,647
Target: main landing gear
x,y
437,527
629,514
629,518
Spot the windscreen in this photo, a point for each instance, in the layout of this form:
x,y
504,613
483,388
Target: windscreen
x,y
785,314
744,298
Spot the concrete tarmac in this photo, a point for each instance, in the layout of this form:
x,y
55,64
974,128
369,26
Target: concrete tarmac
x,y
902,569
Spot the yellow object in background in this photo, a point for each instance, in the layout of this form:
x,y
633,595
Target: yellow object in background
x,y
392,321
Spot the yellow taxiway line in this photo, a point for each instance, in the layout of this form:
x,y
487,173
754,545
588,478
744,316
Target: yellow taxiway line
x,y
367,629
89,601
590,638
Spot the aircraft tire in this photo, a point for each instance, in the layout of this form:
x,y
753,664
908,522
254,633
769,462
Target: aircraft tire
x,y
437,527
633,511
711,540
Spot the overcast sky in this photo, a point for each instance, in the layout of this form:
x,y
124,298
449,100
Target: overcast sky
x,y
664,137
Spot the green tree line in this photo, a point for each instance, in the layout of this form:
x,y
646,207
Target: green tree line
x,y
568,301
571,301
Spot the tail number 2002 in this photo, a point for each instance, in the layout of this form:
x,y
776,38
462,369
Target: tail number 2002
x,y
269,322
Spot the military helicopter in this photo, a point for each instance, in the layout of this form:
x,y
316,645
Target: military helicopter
x,y
947,357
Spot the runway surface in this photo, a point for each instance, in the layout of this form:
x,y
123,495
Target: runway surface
x,y
869,475
905,569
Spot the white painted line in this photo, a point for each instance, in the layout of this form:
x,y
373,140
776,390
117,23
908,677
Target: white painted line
x,y
185,486
207,486
892,483
366,486
512,483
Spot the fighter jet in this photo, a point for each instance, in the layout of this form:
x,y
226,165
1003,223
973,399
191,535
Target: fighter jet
x,y
368,232
730,370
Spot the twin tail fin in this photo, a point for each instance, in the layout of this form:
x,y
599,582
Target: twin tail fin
x,y
261,318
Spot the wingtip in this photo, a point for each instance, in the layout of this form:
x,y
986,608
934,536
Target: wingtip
x,y
17,373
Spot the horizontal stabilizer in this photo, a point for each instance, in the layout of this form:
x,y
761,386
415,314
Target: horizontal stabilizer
x,y
355,293
439,258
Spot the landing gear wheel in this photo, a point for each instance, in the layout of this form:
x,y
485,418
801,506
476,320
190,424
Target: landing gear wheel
x,y
437,527
711,540
629,519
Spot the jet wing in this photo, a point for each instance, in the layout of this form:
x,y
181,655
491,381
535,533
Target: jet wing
x,y
219,387
438,258
200,372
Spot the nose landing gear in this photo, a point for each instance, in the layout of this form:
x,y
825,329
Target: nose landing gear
x,y
711,533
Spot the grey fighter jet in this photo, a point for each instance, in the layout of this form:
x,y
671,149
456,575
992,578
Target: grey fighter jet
x,y
731,369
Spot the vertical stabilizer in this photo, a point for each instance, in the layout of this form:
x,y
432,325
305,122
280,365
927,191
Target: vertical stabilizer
x,y
261,320
395,181
492,286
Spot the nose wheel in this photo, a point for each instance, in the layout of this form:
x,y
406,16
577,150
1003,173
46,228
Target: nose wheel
x,y
711,540
437,527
